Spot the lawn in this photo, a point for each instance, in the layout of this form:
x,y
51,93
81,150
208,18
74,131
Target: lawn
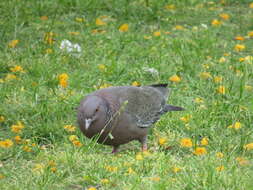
x,y
53,53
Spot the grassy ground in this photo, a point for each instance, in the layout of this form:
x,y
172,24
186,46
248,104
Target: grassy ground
x,y
203,49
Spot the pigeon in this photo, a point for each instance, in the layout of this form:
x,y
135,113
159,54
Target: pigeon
x,y
120,114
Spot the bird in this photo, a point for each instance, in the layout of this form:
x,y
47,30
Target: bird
x,y
119,114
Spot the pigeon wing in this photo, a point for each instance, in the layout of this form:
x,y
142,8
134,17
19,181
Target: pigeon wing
x,y
145,105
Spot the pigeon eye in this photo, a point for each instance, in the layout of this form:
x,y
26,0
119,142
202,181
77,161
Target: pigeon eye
x,y
96,110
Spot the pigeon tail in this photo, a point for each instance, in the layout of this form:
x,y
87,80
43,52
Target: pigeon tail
x,y
169,107
164,85
161,88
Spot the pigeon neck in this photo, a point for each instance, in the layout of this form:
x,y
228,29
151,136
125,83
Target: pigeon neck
x,y
109,112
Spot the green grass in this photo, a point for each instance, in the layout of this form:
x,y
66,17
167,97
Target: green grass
x,y
44,108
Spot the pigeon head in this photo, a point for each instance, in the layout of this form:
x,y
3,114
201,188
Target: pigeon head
x,y
92,110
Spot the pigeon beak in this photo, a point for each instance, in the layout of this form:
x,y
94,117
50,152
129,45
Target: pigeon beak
x,y
87,123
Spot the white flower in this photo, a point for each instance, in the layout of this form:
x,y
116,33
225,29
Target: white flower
x,y
204,26
65,44
69,47
153,71
77,48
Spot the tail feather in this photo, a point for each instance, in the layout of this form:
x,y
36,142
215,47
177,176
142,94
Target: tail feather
x,y
162,88
159,85
169,107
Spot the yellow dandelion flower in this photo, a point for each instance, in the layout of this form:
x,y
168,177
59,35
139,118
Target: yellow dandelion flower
x,y
248,146
219,155
48,51
124,28
176,169
105,85
63,76
77,143
17,139
204,141
17,68
175,78
198,100
130,171
100,22
241,59
53,169
221,90
78,19
92,188
179,27
237,125
48,38
136,83
27,148
104,181
2,176
101,67
216,22
224,16
44,18
220,168
200,151
226,54
63,80
170,7
2,119
7,143
248,87
239,47
74,33
111,168
10,77
239,38
98,31
13,43
205,75
251,5
242,161
222,59
162,141
217,79
186,142
51,163
17,128
69,128
73,138
139,157
157,33
250,33
155,178
186,118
